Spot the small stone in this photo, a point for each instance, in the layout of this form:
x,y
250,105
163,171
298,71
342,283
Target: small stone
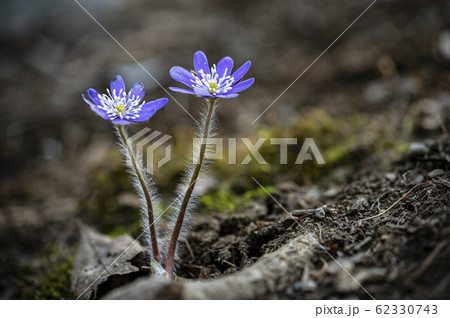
x,y
391,176
418,148
359,204
444,44
297,286
376,92
308,285
320,213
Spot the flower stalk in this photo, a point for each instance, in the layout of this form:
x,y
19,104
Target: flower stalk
x,y
148,199
190,189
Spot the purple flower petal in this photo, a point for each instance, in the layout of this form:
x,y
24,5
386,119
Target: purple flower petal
x,y
224,66
220,86
117,86
95,108
181,75
182,90
94,96
227,95
127,106
149,109
137,92
242,85
201,63
202,92
119,121
241,71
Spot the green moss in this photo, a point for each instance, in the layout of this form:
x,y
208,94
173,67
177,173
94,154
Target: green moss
x,y
220,201
226,200
117,231
56,285
402,148
256,193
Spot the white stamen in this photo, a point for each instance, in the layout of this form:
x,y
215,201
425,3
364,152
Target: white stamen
x,y
211,82
119,106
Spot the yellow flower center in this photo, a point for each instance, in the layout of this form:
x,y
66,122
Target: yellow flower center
x,y
120,109
212,86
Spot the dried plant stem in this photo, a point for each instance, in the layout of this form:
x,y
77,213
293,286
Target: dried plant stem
x,y
148,199
189,190
394,204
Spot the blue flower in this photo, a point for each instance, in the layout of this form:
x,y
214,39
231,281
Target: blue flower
x,y
122,108
216,82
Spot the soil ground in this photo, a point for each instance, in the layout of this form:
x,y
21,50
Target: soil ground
x,y
402,254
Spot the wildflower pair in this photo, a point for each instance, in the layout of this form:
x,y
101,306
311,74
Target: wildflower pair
x,y
124,108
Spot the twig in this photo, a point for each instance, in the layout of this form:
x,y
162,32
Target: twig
x,y
394,204
320,233
303,212
304,216
229,263
188,246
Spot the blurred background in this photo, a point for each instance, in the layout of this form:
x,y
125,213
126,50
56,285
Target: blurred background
x,y
384,84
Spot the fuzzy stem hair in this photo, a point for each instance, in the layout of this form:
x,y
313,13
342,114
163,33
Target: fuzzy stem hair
x,y
135,167
206,128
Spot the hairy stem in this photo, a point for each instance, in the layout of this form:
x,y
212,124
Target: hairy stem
x,y
189,190
148,199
